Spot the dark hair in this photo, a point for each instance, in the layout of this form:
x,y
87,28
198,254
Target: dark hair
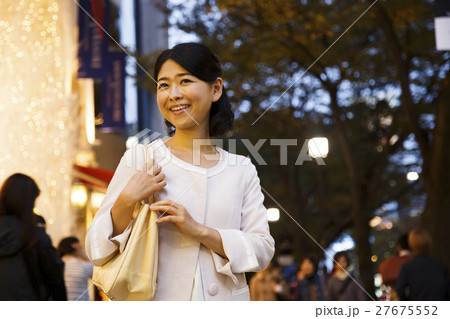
x,y
40,221
17,197
65,246
340,254
313,259
402,242
201,62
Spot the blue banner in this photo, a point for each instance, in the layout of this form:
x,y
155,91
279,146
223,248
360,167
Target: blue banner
x,y
92,43
100,62
113,92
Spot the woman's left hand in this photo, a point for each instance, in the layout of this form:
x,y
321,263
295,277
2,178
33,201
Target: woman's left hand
x,y
177,214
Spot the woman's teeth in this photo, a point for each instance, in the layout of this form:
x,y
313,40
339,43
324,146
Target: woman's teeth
x,y
181,107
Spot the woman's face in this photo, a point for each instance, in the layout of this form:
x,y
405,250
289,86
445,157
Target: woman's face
x,y
183,99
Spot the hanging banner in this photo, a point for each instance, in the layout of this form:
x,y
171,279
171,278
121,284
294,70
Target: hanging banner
x,y
92,44
113,92
99,61
442,25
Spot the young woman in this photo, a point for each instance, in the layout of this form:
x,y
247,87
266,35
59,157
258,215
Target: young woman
x,y
213,225
344,286
30,268
311,285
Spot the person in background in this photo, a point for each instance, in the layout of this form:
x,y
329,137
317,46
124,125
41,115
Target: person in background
x,y
311,285
263,285
78,269
342,285
390,268
281,286
423,277
293,283
30,268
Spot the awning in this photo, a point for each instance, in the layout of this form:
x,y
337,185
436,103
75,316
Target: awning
x,y
95,177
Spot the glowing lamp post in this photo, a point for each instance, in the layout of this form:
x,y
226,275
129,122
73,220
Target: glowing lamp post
x,y
318,147
79,195
273,214
412,176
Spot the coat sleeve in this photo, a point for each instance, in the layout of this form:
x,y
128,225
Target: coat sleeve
x,y
100,245
251,247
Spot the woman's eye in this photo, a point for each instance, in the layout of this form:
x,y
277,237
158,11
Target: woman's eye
x,y
185,81
162,86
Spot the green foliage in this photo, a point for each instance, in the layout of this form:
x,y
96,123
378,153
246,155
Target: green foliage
x,y
266,46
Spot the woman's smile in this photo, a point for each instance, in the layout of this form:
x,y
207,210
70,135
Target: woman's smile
x,y
179,108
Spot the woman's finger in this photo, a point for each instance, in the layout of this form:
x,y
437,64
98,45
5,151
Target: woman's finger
x,y
160,177
165,219
156,170
166,202
153,168
164,209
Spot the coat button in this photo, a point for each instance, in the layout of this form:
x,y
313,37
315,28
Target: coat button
x,y
213,289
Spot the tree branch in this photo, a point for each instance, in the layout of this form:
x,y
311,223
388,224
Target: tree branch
x,y
402,74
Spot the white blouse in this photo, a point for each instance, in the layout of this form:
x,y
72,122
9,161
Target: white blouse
x,y
226,197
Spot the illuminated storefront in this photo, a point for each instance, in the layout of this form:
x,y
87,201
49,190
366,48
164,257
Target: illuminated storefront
x,y
40,107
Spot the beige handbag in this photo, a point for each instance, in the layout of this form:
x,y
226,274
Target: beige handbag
x,y
131,275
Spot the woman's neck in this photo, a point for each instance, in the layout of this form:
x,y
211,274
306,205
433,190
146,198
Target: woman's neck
x,y
188,140
193,148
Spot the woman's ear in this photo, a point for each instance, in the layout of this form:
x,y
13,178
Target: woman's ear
x,y
217,87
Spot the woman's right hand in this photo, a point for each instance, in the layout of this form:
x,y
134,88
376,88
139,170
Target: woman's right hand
x,y
142,185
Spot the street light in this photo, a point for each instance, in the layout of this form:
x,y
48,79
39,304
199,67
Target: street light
x,y
412,176
376,221
79,195
318,147
273,214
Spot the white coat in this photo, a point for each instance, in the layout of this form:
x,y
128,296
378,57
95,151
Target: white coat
x,y
226,197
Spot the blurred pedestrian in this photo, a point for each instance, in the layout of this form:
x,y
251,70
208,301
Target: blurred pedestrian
x,y
423,277
293,283
281,286
311,286
78,269
342,285
390,268
30,268
263,285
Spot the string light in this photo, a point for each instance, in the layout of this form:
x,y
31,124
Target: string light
x,y
38,108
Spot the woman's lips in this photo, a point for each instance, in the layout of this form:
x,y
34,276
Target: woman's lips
x,y
176,110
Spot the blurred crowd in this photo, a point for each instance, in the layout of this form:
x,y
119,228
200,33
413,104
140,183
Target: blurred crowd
x,y
410,275
307,282
31,268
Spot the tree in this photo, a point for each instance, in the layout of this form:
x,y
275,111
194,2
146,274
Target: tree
x,y
424,78
266,46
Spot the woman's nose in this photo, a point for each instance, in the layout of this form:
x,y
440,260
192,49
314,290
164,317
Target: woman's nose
x,y
176,93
